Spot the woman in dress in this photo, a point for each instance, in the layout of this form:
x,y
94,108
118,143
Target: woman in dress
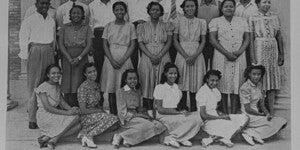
x,y
94,119
155,38
53,122
118,43
230,37
189,40
181,125
267,48
74,42
135,121
220,127
263,124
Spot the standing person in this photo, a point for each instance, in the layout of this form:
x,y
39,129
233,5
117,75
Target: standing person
x,y
37,40
246,9
75,41
263,124
118,42
94,119
32,9
63,11
189,40
181,125
155,38
208,9
100,14
172,10
220,127
267,48
138,125
54,123
137,14
230,37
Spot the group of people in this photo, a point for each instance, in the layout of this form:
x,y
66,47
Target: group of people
x,y
148,59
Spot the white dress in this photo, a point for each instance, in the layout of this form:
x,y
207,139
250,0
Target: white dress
x,y
180,127
223,128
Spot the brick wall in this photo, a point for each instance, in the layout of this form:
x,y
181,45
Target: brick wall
x,y
13,37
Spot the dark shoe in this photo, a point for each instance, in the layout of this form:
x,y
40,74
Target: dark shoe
x,y
32,125
43,141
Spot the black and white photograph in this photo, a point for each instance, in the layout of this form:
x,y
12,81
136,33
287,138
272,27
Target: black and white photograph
x,y
150,74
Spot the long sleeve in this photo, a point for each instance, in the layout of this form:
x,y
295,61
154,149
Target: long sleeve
x,y
24,37
92,16
59,17
123,114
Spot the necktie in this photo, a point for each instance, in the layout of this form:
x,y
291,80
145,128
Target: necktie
x,y
173,14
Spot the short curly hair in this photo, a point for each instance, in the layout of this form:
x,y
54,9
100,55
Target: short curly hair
x,y
250,68
155,4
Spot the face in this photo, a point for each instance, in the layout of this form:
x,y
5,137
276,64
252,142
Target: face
x,y
54,75
228,8
154,12
43,6
255,75
264,5
91,73
76,15
212,81
119,11
171,75
131,80
189,8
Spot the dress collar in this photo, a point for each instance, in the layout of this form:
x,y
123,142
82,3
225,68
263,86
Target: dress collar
x,y
251,83
213,2
248,5
267,14
174,86
127,88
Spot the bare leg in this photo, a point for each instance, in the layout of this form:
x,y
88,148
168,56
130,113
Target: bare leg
x,y
271,100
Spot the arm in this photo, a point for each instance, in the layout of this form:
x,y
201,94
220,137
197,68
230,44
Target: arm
x,y
52,109
122,108
63,104
59,17
246,40
166,47
206,116
24,37
108,53
252,48
165,111
146,51
245,97
201,46
62,46
178,46
86,111
215,43
251,111
87,48
129,52
280,48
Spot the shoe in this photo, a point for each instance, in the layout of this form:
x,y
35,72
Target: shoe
x,y
248,139
32,125
126,144
187,143
51,145
227,142
85,141
258,140
43,140
174,144
206,141
116,141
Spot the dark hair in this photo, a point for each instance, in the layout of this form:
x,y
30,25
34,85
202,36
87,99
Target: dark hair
x,y
124,76
196,3
167,66
222,4
46,78
119,3
79,7
85,66
257,1
155,4
212,72
250,68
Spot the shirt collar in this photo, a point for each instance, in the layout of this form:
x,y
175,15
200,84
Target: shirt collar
x,y
267,14
251,83
248,5
127,88
171,86
41,16
213,2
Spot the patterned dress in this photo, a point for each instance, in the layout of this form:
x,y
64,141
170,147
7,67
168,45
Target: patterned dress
x,y
75,41
265,28
96,123
154,40
190,31
118,37
137,129
230,36
180,127
219,127
258,126
51,124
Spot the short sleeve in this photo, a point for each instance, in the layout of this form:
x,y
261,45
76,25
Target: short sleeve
x,y
213,26
105,32
176,25
201,97
245,25
90,34
42,88
82,93
245,95
203,27
169,28
140,31
251,24
158,92
277,23
132,32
